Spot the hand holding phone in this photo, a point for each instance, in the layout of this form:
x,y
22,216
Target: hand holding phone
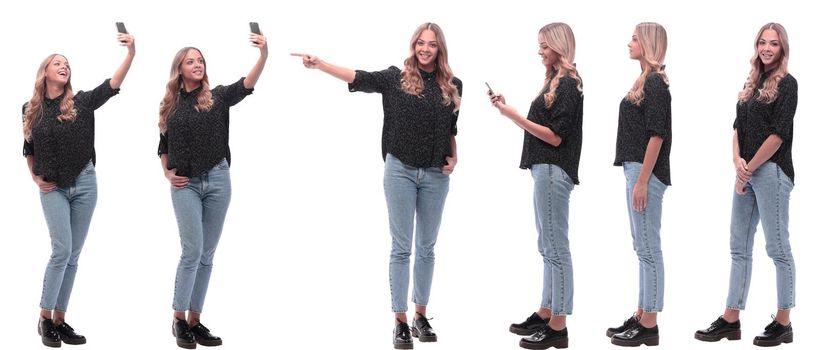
x,y
255,28
121,28
489,89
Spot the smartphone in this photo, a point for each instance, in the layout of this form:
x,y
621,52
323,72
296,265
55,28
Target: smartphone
x,y
121,28
489,89
255,28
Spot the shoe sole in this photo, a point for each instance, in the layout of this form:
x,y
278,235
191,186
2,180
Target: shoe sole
x,y
558,344
402,345
208,342
788,338
524,331
733,335
186,345
423,338
651,341
74,342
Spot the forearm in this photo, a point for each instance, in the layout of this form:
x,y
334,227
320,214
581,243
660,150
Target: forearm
x,y
653,149
765,152
346,74
256,71
122,70
453,147
735,147
30,162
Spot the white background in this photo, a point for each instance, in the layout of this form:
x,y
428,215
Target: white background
x,y
303,259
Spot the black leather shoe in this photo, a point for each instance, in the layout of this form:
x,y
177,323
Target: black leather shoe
x,y
532,324
401,336
423,330
68,336
636,336
629,323
546,338
718,330
203,336
775,334
185,338
45,328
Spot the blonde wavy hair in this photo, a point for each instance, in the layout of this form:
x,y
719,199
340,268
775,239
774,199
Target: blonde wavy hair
x,y
175,84
769,91
560,39
34,107
411,81
652,38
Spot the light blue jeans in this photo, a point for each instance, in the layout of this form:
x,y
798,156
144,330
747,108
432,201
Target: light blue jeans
x,y
200,208
551,192
646,238
413,193
767,201
68,212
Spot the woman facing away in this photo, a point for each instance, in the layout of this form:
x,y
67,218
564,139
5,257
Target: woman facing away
x,y
421,103
58,127
195,157
762,154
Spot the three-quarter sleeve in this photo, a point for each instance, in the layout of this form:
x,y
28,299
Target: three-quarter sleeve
x,y
657,106
378,81
234,93
564,107
96,98
782,122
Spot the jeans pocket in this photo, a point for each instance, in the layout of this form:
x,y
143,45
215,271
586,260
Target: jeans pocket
x,y
223,165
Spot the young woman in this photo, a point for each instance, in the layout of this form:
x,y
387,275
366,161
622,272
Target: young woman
x,y
642,149
552,150
762,153
195,157
421,104
59,147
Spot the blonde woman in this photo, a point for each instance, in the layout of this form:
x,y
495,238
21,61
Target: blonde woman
x,y
643,145
58,127
195,157
762,153
419,149
552,151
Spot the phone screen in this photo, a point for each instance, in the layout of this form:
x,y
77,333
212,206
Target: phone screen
x,y
121,28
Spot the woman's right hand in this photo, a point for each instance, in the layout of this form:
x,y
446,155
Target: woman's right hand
x,y
310,61
742,170
176,181
44,185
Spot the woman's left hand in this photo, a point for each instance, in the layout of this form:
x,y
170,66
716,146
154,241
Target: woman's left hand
x,y
639,196
259,40
451,165
127,40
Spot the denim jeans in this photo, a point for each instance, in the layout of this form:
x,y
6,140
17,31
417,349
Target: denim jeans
x,y
767,201
551,192
200,208
413,193
646,238
68,212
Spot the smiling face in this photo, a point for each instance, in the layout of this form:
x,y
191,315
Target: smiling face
x,y
192,67
549,58
427,50
635,50
58,72
769,49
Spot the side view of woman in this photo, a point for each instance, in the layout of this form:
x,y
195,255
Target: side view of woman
x,y
58,127
552,151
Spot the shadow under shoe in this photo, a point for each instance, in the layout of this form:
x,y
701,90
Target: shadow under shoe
x,y
774,334
530,326
181,330
68,336
48,333
423,330
629,323
203,336
718,330
545,339
401,336
636,336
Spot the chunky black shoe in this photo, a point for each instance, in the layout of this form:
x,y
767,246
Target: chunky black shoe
x,y
68,336
203,336
185,338
775,334
546,338
629,323
530,326
422,329
718,330
45,328
636,336
401,336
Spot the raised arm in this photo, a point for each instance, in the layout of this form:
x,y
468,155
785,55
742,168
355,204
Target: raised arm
x,y
313,62
126,40
259,41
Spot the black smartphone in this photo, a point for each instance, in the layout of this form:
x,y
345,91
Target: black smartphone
x,y
255,28
489,89
121,28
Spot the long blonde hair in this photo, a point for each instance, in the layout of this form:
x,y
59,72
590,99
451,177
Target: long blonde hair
x,y
175,84
652,38
769,91
560,39
411,81
34,107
